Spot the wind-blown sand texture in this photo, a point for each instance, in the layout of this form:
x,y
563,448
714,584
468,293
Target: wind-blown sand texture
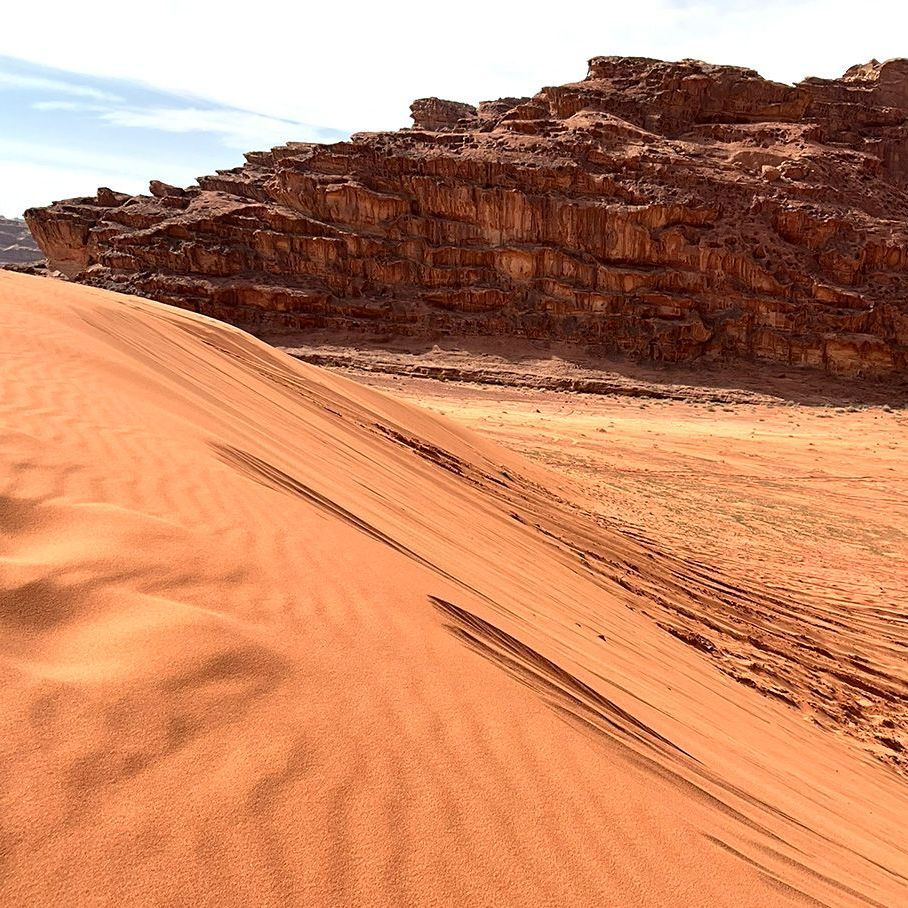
x,y
809,499
270,637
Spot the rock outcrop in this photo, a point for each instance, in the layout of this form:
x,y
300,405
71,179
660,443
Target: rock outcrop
x,y
668,211
16,244
437,114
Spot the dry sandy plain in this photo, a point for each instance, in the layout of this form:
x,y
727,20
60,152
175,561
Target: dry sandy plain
x,y
271,637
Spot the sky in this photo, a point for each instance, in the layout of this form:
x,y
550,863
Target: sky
x,y
118,92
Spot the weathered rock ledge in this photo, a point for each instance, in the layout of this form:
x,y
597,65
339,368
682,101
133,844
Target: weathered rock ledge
x,y
668,211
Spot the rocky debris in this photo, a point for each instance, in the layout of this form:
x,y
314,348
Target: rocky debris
x,y
35,269
16,244
662,211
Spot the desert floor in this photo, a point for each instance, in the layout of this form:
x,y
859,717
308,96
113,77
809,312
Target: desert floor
x,y
270,637
810,501
785,478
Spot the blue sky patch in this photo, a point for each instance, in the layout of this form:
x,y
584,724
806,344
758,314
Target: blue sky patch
x,y
63,135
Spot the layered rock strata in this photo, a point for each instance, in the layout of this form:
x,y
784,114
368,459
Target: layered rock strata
x,y
667,211
16,244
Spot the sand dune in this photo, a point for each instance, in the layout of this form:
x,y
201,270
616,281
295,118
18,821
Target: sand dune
x,y
269,637
801,509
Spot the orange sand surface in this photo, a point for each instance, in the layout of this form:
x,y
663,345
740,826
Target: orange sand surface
x,y
810,501
268,637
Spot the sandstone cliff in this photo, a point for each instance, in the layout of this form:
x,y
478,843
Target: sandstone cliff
x,y
669,211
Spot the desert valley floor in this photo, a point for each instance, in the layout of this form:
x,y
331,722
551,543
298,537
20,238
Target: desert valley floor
x,y
269,636
800,487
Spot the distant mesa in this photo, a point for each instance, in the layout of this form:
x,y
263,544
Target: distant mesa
x,y
16,244
664,211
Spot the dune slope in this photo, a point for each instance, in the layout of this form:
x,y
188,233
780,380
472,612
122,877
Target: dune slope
x,y
268,637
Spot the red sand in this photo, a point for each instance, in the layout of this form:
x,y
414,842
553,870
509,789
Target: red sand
x,y
269,637
800,508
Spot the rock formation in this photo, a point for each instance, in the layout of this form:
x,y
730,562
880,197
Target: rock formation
x,y
668,211
16,243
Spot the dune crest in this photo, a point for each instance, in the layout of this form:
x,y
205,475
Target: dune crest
x,y
269,637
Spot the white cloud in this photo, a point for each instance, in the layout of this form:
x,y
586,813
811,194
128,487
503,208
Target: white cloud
x,y
239,129
33,174
359,70
66,105
37,83
16,152
23,185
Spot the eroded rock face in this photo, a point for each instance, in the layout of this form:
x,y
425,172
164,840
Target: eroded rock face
x,y
439,115
16,243
668,211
